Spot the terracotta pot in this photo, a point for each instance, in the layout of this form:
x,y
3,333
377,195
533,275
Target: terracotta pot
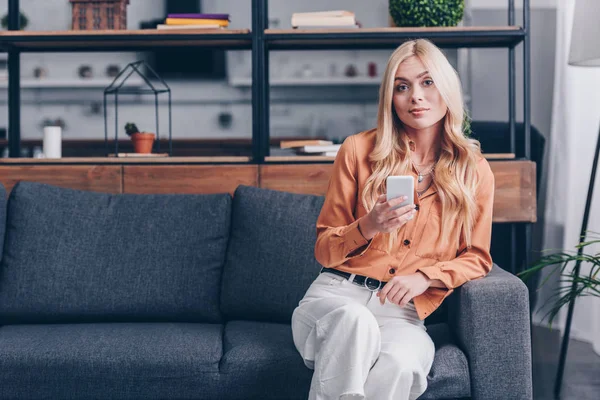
x,y
142,142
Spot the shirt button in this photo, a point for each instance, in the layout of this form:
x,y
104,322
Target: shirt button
x,y
406,242
392,271
416,207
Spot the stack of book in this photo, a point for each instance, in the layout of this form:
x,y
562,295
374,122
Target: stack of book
x,y
311,147
195,21
324,19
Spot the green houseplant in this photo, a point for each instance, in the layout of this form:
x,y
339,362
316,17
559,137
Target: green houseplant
x,y
573,284
414,13
23,21
142,141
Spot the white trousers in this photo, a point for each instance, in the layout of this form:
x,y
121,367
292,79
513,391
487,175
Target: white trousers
x,y
358,348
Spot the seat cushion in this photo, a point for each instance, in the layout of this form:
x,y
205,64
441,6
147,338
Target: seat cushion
x,y
449,376
270,261
261,362
110,360
77,256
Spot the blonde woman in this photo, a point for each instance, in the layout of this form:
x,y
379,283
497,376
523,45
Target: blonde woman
x,y
360,325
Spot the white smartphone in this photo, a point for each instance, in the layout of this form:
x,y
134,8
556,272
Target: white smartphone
x,y
400,185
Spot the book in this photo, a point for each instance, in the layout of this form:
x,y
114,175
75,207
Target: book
x,y
171,27
200,16
332,13
319,149
288,144
139,155
196,21
355,26
334,18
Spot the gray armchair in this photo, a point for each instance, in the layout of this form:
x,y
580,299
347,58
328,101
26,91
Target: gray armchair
x,y
490,318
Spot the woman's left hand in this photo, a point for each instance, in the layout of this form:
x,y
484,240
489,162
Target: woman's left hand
x,y
401,289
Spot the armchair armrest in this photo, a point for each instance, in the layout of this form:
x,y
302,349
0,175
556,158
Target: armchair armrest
x,y
490,318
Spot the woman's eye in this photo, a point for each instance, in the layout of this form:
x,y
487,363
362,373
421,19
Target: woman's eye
x,y
428,82
401,88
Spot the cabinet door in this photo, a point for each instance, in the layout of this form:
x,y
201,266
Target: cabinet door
x,y
193,179
95,178
296,178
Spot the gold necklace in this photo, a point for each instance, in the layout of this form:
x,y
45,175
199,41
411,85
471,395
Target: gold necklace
x,y
422,175
419,193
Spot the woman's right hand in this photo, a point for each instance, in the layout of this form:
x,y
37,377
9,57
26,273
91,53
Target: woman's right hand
x,y
383,219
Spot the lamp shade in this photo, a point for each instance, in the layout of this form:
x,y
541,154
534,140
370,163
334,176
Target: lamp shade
x,y
585,34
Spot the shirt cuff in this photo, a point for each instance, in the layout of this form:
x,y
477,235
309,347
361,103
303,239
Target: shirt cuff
x,y
354,240
434,272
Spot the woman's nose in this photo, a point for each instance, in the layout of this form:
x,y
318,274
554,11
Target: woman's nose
x,y
417,94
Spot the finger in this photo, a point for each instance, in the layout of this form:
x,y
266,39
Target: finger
x,y
393,293
383,292
405,299
399,295
382,198
396,201
392,217
402,210
398,222
387,205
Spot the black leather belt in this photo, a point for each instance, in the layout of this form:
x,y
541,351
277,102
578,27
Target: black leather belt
x,y
360,280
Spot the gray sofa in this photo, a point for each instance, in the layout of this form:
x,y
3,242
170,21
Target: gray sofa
x,y
190,296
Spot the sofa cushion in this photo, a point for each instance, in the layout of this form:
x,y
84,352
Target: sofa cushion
x,y
270,261
259,355
110,360
76,256
261,362
449,376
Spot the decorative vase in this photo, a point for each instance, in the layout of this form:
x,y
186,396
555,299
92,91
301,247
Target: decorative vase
x,y
418,13
142,142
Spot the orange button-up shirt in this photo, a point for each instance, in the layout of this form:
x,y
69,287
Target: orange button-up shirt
x,y
339,241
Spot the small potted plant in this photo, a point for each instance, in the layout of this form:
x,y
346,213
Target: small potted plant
x,y
142,141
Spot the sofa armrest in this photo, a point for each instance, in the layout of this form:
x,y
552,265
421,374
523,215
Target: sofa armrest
x,y
490,318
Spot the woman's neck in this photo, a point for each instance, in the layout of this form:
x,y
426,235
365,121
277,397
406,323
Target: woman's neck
x,y
425,144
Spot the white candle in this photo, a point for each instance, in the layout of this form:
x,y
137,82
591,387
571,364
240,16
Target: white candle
x,y
52,142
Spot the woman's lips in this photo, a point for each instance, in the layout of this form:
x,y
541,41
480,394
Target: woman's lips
x,y
418,113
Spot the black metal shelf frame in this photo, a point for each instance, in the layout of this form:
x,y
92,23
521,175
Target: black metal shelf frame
x,y
261,43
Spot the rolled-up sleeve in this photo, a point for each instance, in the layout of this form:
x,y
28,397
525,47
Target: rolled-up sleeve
x,y
338,235
476,261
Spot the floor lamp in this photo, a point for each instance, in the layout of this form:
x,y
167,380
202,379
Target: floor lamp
x,y
584,52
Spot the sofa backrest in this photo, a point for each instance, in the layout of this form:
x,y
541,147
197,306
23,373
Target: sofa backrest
x,y
76,256
270,260
2,218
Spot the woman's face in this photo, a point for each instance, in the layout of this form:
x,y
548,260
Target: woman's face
x,y
416,100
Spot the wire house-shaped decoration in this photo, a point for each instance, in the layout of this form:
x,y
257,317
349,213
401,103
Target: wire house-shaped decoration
x,y
118,87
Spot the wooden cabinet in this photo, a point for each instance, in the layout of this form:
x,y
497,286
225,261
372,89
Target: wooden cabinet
x,y
515,194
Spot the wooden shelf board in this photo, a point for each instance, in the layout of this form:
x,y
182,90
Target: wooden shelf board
x,y
471,36
121,39
124,160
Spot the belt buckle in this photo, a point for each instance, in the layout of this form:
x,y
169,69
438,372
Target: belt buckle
x,y
368,288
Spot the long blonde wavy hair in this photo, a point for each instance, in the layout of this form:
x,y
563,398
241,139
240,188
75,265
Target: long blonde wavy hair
x,y
455,171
